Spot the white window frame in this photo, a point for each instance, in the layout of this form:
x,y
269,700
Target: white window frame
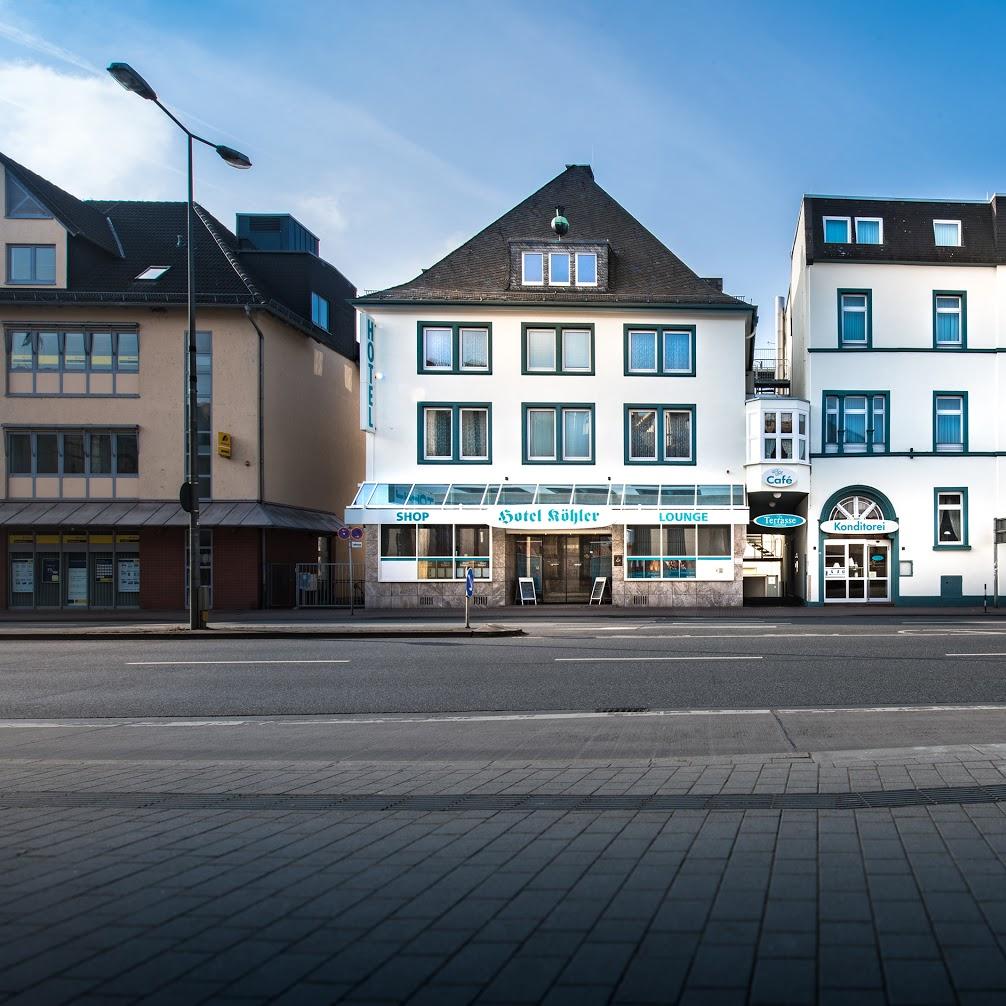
x,y
664,333
864,310
656,351
569,269
449,456
657,434
566,456
959,311
554,456
941,507
955,223
663,451
563,332
468,368
870,220
848,230
527,351
523,269
581,255
434,369
798,439
461,433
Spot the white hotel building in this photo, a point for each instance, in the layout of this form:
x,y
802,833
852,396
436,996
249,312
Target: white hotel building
x,y
894,336
558,400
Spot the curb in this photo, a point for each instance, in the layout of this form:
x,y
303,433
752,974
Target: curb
x,y
79,635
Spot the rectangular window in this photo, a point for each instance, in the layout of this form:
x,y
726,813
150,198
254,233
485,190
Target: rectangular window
x,y
455,433
46,453
126,454
319,311
951,518
836,230
33,264
660,434
558,269
586,269
101,351
854,318
947,233
532,269
438,352
670,553
73,453
22,352
398,542
660,351
454,348
948,320
950,423
100,454
568,349
19,454
74,352
77,453
471,551
780,441
559,434
474,349
855,422
869,231
48,351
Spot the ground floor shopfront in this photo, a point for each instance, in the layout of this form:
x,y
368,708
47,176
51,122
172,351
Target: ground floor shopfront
x,y
552,544
134,567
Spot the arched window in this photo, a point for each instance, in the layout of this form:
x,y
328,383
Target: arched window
x,y
854,507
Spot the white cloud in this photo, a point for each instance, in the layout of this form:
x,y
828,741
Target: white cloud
x,y
322,212
37,44
53,122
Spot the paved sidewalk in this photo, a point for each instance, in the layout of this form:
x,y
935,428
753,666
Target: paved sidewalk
x,y
273,882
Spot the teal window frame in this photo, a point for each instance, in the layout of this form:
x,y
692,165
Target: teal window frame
x,y
559,370
660,459
963,396
558,408
869,445
965,543
868,342
660,331
455,327
456,409
954,346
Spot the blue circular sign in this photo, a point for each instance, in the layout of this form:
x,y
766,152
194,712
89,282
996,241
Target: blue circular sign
x,y
779,520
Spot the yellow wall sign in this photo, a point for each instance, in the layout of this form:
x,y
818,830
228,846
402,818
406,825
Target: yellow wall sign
x,y
224,445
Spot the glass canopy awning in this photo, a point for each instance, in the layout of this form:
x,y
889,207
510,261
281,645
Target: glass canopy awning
x,y
459,495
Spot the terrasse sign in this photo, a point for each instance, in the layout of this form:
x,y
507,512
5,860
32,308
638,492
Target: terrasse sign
x,y
857,525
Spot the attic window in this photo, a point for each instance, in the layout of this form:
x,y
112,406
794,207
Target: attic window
x,y
22,204
947,233
154,272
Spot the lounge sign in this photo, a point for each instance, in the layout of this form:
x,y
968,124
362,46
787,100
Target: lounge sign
x,y
546,518
857,525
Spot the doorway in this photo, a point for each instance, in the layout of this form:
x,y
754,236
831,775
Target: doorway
x,y
857,571
563,566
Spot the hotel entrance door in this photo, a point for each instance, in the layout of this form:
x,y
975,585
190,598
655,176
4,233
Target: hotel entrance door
x,y
563,566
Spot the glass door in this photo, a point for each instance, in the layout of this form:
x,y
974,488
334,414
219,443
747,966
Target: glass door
x,y
553,563
878,575
75,580
857,571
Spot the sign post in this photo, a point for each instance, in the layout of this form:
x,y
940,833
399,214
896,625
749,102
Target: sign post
x,y
469,591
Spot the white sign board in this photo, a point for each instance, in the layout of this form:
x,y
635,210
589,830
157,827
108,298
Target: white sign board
x,y
129,576
368,372
597,591
780,478
543,518
22,576
526,591
857,525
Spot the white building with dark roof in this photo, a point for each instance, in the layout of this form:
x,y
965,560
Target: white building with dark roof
x,y
894,338
558,402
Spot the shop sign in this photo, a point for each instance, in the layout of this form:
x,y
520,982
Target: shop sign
x,y
778,520
368,372
859,526
780,478
22,576
554,518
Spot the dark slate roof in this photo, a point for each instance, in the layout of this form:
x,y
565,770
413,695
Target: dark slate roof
x,y
908,230
642,269
80,218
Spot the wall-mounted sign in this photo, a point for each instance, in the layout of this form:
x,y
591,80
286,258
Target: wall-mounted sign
x,y
368,372
779,520
542,518
129,576
857,525
780,478
22,576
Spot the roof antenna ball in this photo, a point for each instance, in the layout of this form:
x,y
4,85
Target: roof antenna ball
x,y
559,223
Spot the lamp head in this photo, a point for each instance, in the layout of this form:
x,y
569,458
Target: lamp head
x,y
234,157
131,80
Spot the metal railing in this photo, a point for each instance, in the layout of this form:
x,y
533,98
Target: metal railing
x,y
327,585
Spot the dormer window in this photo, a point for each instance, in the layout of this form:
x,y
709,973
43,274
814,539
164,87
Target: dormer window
x,y
21,204
533,269
947,233
869,231
154,272
836,230
558,269
586,269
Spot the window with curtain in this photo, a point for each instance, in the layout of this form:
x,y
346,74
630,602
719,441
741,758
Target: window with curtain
x,y
575,349
949,423
437,435
438,349
949,517
836,230
869,230
541,435
677,435
947,233
949,318
576,435
855,423
643,352
474,348
677,352
474,434
854,319
436,552
643,434
541,349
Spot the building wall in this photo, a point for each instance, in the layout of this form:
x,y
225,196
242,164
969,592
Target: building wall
x,y
30,232
162,568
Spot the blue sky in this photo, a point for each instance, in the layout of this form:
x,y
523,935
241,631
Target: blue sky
x,y
397,130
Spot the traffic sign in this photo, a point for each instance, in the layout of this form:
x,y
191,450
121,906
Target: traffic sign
x,y
470,583
356,532
356,544
343,533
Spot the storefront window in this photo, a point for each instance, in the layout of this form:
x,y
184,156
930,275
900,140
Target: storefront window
x,y
471,549
398,542
436,552
669,552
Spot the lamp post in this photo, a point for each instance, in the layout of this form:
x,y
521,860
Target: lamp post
x,y
132,81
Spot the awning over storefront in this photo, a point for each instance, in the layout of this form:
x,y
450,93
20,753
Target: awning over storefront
x,y
139,514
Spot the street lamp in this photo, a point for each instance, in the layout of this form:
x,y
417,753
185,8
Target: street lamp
x,y
132,81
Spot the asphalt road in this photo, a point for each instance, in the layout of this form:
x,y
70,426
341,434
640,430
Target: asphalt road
x,y
692,687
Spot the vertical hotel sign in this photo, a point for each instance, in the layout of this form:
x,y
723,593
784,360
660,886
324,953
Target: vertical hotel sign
x,y
368,372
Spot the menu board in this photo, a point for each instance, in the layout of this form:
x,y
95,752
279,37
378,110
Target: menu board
x,y
129,576
23,576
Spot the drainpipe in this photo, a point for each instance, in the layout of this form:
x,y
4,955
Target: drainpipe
x,y
250,314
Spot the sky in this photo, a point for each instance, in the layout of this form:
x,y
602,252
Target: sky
x,y
397,130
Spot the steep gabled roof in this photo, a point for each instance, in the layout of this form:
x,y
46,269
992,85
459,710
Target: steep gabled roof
x,y
642,270
80,218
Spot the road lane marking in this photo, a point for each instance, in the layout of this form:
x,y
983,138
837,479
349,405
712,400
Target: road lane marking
x,y
975,654
594,660
215,663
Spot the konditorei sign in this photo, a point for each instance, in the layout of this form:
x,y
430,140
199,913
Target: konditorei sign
x,y
779,520
559,518
857,525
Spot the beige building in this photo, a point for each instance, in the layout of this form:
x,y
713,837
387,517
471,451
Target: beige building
x,y
93,295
